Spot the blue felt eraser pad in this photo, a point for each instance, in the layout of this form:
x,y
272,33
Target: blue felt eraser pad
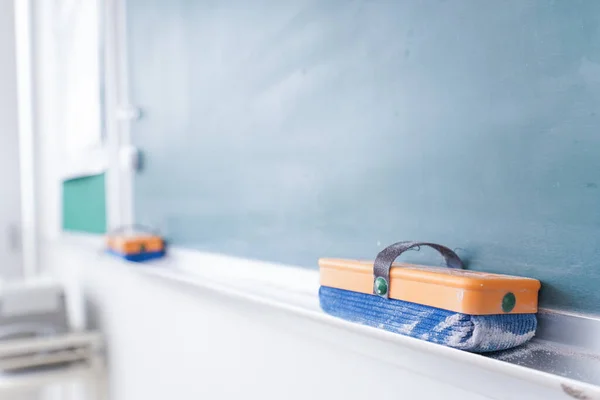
x,y
476,333
138,257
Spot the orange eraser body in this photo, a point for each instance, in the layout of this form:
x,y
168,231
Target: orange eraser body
x,y
463,291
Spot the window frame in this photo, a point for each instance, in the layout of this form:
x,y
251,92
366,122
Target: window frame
x,y
118,116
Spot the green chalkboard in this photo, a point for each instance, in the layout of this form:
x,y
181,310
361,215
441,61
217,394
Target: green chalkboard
x,y
84,204
295,129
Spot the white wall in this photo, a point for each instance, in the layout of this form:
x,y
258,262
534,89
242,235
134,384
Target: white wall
x,y
48,138
10,196
11,103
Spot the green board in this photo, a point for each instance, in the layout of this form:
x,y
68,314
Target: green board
x,y
296,129
84,204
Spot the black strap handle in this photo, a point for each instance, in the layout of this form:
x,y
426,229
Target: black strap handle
x,y
385,258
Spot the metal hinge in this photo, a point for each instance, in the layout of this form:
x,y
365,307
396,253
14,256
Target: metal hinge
x,y
130,158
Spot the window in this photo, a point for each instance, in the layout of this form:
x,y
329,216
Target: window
x,y
77,34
